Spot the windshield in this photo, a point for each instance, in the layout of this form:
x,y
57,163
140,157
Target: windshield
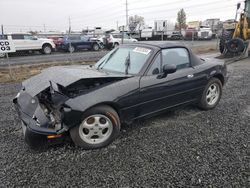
x,y
117,60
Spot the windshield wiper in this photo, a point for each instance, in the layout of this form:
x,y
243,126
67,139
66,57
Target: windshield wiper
x,y
127,63
106,60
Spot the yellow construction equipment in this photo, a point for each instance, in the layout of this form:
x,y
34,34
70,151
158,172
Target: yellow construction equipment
x,y
236,34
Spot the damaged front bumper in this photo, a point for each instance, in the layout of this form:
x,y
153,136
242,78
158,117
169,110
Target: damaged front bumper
x,y
37,126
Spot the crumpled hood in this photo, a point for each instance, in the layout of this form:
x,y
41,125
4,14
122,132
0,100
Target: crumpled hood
x,y
63,75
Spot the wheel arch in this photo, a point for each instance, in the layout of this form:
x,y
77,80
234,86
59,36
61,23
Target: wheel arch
x,y
113,105
47,44
220,77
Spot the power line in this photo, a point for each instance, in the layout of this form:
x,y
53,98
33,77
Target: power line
x,y
197,12
187,7
160,5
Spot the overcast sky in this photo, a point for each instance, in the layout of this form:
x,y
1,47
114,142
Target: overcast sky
x,y
23,15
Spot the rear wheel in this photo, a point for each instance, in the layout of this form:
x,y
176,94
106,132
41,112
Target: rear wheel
x,y
2,55
235,45
47,49
102,45
211,95
99,127
96,47
116,45
226,36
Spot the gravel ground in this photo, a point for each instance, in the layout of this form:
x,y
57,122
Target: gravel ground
x,y
183,148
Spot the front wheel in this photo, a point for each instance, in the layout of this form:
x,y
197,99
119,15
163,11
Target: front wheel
x,y
99,127
211,94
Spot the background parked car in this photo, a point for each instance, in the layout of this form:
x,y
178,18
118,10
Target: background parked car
x,y
191,33
56,39
100,40
26,42
115,39
176,35
74,43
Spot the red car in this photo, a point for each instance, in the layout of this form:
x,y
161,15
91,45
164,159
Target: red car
x,y
191,33
56,39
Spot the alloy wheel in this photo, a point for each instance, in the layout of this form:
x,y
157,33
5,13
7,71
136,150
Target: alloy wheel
x,y
213,93
95,129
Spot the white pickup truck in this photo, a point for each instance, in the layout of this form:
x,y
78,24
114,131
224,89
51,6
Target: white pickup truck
x,y
27,42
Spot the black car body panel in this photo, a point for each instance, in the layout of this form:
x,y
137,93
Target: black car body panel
x,y
46,109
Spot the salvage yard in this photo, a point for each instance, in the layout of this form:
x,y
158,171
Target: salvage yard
x,y
182,148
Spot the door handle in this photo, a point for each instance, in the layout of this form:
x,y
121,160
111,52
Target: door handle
x,y
190,76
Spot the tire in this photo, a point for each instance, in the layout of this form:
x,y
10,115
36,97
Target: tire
x,y
102,46
235,45
206,102
96,134
47,49
116,45
71,49
2,55
96,47
226,36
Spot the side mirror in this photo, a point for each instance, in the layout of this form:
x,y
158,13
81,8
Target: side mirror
x,y
238,6
167,69
35,38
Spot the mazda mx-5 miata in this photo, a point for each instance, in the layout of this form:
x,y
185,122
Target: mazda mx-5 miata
x,y
133,81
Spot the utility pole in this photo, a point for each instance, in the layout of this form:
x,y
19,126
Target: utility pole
x,y
69,25
70,46
117,25
2,31
127,13
44,28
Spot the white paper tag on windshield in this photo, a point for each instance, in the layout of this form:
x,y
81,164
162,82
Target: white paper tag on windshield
x,y
142,50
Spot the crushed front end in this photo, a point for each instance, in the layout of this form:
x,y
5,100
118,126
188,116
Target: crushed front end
x,y
41,116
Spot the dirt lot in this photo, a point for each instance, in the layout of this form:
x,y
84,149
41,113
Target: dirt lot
x,y
21,72
183,148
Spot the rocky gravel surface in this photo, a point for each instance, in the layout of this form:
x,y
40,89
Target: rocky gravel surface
x,y
182,148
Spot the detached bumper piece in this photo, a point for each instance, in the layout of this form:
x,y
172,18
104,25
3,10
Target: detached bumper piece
x,y
38,129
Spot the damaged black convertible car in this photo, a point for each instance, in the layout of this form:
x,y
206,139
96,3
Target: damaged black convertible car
x,y
89,103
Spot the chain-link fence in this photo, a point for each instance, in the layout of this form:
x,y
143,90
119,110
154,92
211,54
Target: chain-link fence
x,y
38,50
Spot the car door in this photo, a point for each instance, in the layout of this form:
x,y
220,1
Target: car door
x,y
83,42
32,43
18,40
176,89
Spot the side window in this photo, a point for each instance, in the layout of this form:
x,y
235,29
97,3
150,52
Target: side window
x,y
3,37
84,38
125,36
27,37
74,38
155,67
176,56
17,37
